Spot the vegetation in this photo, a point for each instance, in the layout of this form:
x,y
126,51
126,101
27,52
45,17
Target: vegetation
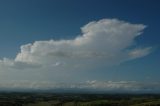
x,y
52,99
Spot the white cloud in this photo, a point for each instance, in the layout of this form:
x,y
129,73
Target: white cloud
x,y
106,41
101,44
116,86
136,53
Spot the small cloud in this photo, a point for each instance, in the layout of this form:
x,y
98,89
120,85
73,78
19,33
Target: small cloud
x,y
141,52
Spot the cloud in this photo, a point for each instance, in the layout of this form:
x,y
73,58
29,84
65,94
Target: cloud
x,y
102,43
106,41
136,53
124,85
94,85
16,65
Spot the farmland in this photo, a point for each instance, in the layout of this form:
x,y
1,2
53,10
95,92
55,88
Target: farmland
x,y
78,99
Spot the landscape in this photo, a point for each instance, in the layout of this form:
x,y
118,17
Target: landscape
x,y
68,99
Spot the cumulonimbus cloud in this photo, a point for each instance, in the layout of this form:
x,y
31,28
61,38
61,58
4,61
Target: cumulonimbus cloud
x,y
102,43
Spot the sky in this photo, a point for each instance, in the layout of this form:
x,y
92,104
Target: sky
x,y
90,44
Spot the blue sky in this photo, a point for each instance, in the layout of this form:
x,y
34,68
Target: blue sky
x,y
24,22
